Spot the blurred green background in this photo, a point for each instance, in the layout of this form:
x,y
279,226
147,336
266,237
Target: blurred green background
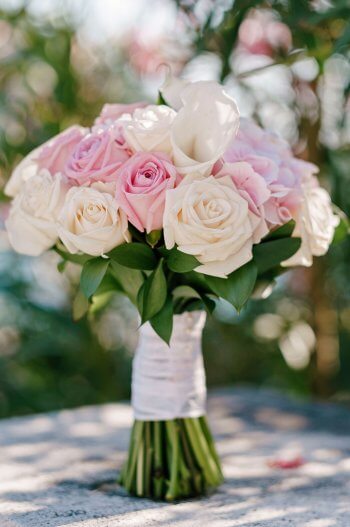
x,y
287,64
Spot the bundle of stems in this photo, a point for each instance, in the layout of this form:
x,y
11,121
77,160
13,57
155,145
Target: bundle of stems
x,y
169,460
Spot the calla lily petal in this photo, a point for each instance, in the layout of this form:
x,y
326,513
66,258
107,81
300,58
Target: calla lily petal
x,y
203,128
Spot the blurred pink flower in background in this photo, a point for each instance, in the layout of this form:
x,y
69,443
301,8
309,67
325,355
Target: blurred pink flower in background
x,y
262,34
146,54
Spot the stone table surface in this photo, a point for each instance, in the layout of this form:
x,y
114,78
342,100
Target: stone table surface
x,y
59,469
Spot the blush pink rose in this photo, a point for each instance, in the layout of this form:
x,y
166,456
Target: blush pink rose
x,y
96,157
272,159
53,155
141,184
251,187
112,112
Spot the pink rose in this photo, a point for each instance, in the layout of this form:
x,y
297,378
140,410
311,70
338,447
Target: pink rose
x,y
53,155
141,186
272,159
96,157
112,112
251,187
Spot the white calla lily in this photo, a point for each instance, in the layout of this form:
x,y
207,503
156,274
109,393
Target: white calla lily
x,y
203,127
171,90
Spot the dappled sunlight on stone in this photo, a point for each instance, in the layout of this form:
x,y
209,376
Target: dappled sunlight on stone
x,y
280,421
319,470
326,522
61,469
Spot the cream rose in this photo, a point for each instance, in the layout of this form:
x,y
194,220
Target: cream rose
x,y
25,169
31,224
148,129
210,220
203,128
90,220
315,224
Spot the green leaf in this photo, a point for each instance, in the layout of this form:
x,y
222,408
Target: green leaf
x,y
185,291
180,262
61,266
140,297
130,280
79,259
154,293
188,294
100,301
196,281
80,305
162,322
161,100
285,231
134,256
209,303
341,232
92,275
270,254
237,287
343,228
108,285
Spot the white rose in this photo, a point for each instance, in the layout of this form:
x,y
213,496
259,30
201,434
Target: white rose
x,y
148,129
203,127
91,222
25,169
31,224
315,224
210,220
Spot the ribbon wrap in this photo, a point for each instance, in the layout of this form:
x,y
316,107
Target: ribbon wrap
x,y
168,382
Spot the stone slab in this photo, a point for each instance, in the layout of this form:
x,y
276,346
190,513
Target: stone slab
x,y
59,469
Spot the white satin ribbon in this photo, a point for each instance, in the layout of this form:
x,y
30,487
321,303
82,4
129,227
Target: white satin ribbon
x,y
169,382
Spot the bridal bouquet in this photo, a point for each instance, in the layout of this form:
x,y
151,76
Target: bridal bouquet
x,y
176,205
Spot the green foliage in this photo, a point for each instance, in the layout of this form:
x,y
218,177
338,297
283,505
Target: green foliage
x,y
152,294
162,322
80,305
79,259
134,256
129,280
342,230
237,287
161,100
180,262
92,275
282,232
271,253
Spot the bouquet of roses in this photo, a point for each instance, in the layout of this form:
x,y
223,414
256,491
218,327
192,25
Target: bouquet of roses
x,y
176,205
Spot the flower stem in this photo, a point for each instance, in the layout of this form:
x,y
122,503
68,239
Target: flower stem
x,y
173,459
